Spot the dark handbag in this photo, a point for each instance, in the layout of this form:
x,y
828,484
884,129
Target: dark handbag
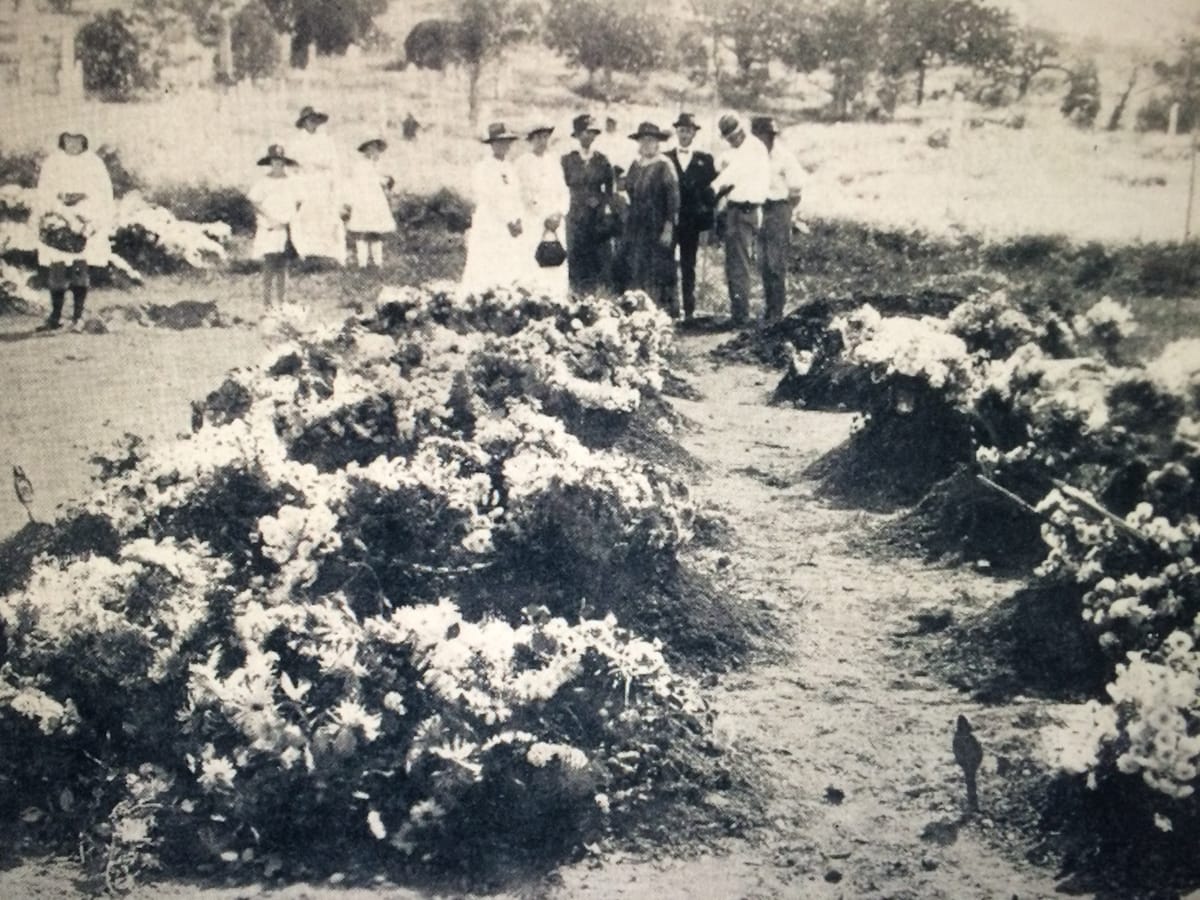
x,y
550,252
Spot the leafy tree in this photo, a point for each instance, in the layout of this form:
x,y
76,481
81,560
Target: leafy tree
x,y
606,36
328,25
253,43
111,55
1034,51
845,38
1180,80
1082,102
488,27
924,34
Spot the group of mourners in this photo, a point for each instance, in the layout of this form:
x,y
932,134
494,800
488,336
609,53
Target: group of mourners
x,y
595,220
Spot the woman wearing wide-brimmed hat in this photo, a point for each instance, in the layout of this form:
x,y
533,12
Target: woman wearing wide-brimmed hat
x,y
496,246
649,244
590,217
74,215
319,230
370,211
544,194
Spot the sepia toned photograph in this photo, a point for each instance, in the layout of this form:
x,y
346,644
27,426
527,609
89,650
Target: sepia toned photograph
x,y
600,450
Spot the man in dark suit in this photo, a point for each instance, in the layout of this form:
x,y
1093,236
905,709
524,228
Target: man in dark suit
x,y
696,171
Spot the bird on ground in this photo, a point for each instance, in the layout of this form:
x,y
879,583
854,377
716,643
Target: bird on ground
x,y
24,489
968,753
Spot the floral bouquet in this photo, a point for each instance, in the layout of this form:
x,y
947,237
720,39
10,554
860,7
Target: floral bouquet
x,y
64,232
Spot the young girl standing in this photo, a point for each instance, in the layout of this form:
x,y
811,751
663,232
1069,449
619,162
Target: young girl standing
x,y
275,199
370,212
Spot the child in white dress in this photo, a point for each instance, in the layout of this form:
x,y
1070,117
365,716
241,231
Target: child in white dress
x,y
370,212
276,198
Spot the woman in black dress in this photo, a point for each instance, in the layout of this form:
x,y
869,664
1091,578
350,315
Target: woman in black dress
x,y
589,177
653,213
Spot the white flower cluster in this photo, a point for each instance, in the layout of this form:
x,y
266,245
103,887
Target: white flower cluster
x,y
992,322
1106,319
922,349
199,244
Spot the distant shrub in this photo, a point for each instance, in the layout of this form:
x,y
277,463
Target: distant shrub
x,y
1156,114
1082,102
255,43
20,169
1026,250
207,203
444,208
123,180
108,49
1169,269
1096,265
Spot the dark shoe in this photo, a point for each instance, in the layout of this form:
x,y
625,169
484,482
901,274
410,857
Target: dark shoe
x,y
48,326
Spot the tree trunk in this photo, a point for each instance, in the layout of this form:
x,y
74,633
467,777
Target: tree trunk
x,y
225,48
920,83
1023,82
474,70
1114,120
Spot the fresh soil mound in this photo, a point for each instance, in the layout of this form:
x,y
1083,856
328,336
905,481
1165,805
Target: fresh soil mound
x,y
960,520
1033,644
181,316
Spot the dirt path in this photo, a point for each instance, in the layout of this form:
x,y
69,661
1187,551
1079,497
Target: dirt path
x,y
849,729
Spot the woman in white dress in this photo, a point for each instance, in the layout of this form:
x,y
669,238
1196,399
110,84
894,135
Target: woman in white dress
x,y
370,212
318,229
75,193
546,199
496,244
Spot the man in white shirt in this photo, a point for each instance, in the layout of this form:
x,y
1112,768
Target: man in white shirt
x,y
743,184
783,196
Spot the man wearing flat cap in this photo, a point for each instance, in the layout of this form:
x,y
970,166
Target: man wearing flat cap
x,y
782,198
743,185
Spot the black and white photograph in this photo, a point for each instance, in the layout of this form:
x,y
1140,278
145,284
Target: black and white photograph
x,y
600,449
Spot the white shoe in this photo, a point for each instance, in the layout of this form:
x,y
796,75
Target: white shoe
x,y
77,326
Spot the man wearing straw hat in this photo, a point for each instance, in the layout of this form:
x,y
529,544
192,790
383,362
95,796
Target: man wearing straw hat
x,y
783,196
495,246
696,171
743,184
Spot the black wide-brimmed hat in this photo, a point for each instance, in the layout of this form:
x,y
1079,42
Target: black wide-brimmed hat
x,y
539,128
498,132
649,129
373,142
582,123
309,113
275,152
686,120
763,125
